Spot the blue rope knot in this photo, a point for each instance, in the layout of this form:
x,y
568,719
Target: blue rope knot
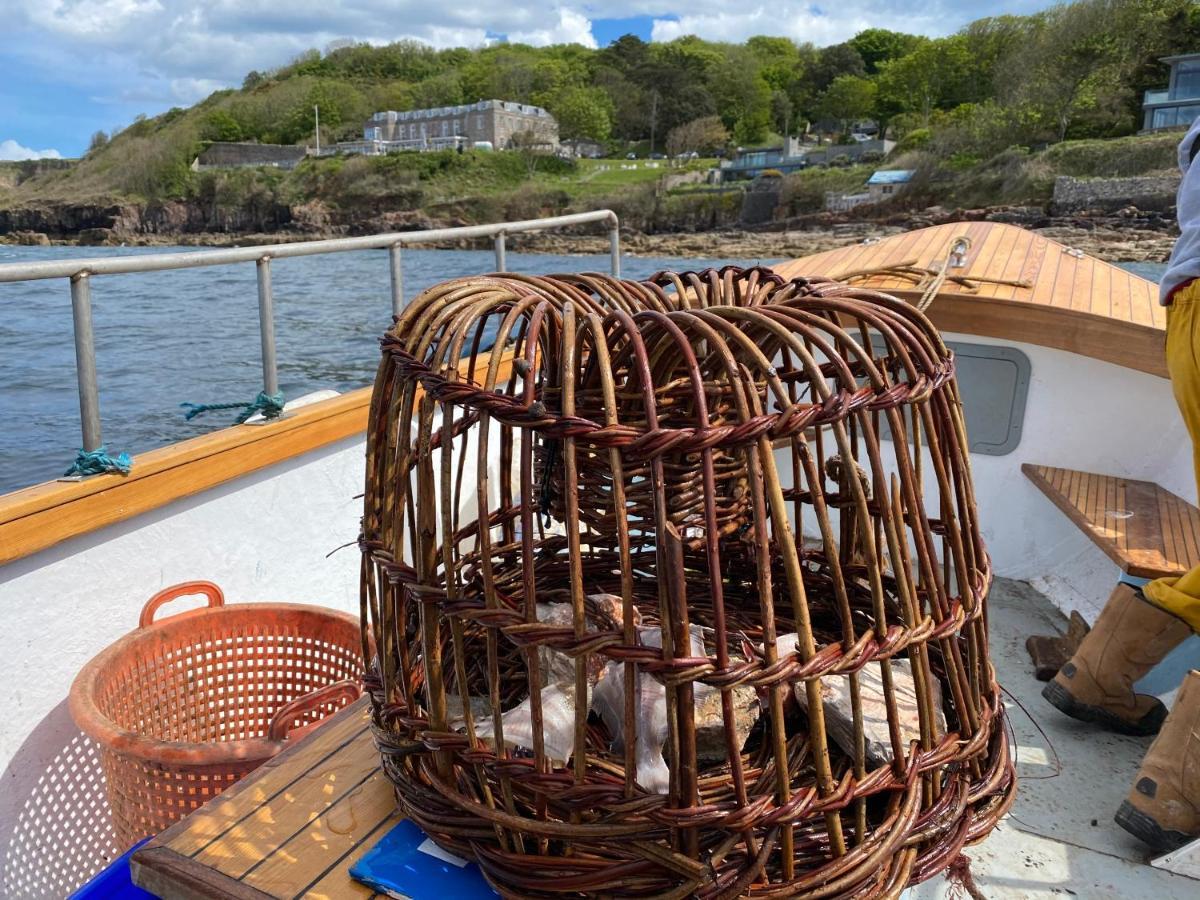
x,y
97,462
270,405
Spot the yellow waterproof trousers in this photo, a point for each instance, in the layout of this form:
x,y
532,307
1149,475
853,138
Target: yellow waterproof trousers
x,y
1180,596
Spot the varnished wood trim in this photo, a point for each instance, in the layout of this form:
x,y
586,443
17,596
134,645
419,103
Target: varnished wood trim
x,y
165,873
1132,346
46,514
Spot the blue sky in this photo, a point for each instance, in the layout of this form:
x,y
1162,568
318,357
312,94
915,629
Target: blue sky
x,y
74,67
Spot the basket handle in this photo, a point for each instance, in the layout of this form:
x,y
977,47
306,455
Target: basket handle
x,y
215,598
281,722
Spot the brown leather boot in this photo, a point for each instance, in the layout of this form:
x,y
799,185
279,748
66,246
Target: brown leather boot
x,y
1163,809
1128,640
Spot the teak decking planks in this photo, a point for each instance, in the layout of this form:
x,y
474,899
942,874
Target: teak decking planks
x,y
292,829
1071,302
1144,528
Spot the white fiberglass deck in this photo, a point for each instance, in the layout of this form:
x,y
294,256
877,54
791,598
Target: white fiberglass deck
x,y
1060,839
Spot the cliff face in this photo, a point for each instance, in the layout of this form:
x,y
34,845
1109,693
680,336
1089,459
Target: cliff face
x,y
117,222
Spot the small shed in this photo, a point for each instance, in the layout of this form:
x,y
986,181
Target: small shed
x,y
884,183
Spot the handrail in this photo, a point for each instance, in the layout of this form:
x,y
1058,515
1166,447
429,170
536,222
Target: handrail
x,y
156,262
79,273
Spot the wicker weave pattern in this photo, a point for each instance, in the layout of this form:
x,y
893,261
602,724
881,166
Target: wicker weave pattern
x,y
695,459
183,708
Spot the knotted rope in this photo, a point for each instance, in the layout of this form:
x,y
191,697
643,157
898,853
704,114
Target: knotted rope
x,y
929,280
97,462
270,405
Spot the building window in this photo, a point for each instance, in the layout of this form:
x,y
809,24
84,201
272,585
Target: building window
x,y
887,188
1187,81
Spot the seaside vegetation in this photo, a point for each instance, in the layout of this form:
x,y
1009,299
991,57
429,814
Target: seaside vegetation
x,y
1002,105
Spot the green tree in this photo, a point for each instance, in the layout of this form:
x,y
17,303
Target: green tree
x,y
220,125
704,136
848,98
833,61
1068,64
879,45
582,112
933,76
742,98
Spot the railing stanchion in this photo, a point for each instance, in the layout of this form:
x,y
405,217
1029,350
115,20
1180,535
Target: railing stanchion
x,y
266,326
85,361
397,279
501,261
614,250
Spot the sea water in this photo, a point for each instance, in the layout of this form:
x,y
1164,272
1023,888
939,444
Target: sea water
x,y
191,335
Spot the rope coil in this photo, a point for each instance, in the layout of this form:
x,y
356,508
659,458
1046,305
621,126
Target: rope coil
x,y
97,462
270,405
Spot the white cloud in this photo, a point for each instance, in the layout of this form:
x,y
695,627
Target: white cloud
x,y
801,21
572,28
11,150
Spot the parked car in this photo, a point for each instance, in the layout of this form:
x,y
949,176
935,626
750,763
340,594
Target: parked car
x,y
658,156
631,156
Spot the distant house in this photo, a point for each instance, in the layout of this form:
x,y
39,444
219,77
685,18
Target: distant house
x,y
229,154
858,151
580,148
1179,105
884,183
750,162
501,123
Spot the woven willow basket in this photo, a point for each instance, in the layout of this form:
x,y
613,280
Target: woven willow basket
x,y
678,588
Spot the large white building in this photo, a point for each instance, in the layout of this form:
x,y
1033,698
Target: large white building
x,y
497,122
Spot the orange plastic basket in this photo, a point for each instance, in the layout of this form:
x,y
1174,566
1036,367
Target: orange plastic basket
x,y
184,707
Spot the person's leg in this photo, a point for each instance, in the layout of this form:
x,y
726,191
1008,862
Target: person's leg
x,y
1129,638
1180,596
1139,627
1163,806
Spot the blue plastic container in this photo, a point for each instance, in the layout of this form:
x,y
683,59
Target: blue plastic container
x,y
114,882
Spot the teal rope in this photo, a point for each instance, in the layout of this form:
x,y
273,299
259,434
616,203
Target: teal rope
x,y
270,405
97,462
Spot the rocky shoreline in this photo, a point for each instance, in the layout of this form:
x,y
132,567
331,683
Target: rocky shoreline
x,y
1128,235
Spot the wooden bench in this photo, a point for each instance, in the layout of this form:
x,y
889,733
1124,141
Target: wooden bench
x,y
291,829
1145,529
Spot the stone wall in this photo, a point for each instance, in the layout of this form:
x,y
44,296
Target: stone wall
x,y
222,154
1156,192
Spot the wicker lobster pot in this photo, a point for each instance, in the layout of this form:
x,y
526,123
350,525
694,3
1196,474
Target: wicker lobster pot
x,y
678,588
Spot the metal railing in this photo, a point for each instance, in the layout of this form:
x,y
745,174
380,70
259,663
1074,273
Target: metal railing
x,y
80,272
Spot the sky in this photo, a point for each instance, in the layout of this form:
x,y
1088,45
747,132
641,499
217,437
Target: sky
x,y
74,67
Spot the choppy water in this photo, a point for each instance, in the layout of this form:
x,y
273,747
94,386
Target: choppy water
x,y
192,335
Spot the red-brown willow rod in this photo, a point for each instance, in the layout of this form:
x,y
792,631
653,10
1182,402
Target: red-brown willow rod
x,y
678,588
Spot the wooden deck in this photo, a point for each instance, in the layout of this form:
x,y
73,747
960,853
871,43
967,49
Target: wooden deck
x,y
1068,302
1145,529
290,830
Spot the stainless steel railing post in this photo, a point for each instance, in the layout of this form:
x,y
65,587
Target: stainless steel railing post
x,y
397,279
85,361
614,250
501,261
266,326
